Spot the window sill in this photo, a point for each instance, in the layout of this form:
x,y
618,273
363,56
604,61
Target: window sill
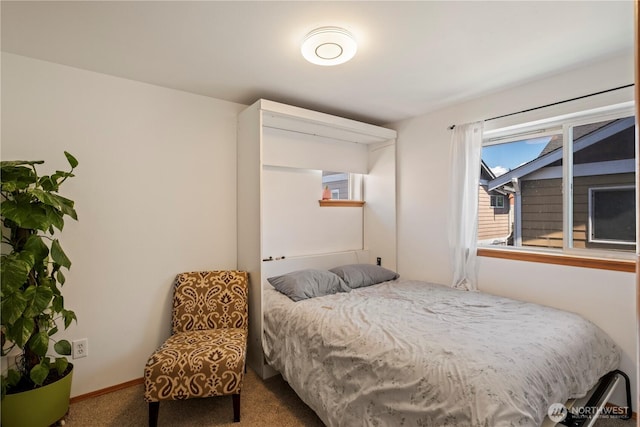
x,y
342,203
628,266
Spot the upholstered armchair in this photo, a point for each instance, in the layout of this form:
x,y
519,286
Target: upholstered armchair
x,y
206,352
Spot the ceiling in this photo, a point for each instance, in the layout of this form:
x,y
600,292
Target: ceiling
x,y
413,57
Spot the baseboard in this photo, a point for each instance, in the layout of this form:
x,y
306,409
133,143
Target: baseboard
x,y
634,415
107,390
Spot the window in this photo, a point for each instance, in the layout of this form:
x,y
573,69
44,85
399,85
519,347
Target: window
x,y
612,215
343,185
497,201
336,181
570,184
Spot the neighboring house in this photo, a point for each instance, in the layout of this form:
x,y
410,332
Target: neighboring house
x,y
603,190
495,222
338,183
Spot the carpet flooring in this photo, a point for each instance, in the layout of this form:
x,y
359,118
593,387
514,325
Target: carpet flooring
x,y
264,403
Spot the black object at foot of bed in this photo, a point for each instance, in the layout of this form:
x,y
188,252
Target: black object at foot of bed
x,y
587,414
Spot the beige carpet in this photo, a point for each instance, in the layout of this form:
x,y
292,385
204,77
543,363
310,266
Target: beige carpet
x,y
264,403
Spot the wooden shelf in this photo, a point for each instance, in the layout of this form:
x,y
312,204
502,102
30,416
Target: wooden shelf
x,y
561,259
342,203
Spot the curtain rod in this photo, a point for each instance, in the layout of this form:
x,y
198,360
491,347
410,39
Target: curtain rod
x,y
556,103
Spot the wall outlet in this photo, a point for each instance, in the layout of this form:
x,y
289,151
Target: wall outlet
x,y
80,348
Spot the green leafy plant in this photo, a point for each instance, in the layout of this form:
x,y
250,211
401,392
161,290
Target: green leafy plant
x,y
31,268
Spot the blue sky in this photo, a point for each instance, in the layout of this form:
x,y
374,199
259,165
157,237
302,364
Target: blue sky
x,y
501,158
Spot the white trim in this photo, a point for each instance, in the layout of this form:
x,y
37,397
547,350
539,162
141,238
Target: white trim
x,y
611,111
496,205
534,168
296,119
497,241
356,187
553,156
521,136
517,218
567,183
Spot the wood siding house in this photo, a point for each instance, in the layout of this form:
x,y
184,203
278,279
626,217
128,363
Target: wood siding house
x,y
494,211
603,190
338,183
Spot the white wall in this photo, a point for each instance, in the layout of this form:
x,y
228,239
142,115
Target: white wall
x,y
155,193
380,223
294,223
607,298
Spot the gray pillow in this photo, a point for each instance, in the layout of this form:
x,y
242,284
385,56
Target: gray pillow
x,y
310,283
361,275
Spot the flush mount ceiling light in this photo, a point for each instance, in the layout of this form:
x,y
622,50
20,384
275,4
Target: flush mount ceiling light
x,y
329,46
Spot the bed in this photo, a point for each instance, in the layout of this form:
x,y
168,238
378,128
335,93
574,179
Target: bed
x,y
412,353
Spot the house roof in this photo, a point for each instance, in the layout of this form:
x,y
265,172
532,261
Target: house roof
x,y
578,132
551,153
485,172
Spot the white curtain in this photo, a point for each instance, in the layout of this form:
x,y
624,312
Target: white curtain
x,y
466,146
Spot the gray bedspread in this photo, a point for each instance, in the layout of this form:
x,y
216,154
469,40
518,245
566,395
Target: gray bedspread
x,y
408,353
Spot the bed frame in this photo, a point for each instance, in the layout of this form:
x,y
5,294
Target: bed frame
x,y
596,398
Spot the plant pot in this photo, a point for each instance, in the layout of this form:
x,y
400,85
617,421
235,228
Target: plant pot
x,y
39,407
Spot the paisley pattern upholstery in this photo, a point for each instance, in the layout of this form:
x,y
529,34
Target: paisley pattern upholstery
x,y
205,356
210,300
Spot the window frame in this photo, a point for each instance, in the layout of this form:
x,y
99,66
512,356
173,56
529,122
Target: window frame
x,y
591,226
496,197
563,125
355,190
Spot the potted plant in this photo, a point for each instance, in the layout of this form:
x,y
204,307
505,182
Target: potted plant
x,y
32,307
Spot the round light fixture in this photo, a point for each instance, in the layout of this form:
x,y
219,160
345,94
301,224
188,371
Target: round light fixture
x,y
329,46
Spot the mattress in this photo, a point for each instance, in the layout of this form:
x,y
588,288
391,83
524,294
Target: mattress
x,y
413,353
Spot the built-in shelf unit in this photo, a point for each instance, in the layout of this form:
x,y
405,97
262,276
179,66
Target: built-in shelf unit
x,y
282,151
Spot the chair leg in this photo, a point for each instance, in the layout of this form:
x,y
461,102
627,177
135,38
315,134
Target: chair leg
x,y
236,407
154,408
